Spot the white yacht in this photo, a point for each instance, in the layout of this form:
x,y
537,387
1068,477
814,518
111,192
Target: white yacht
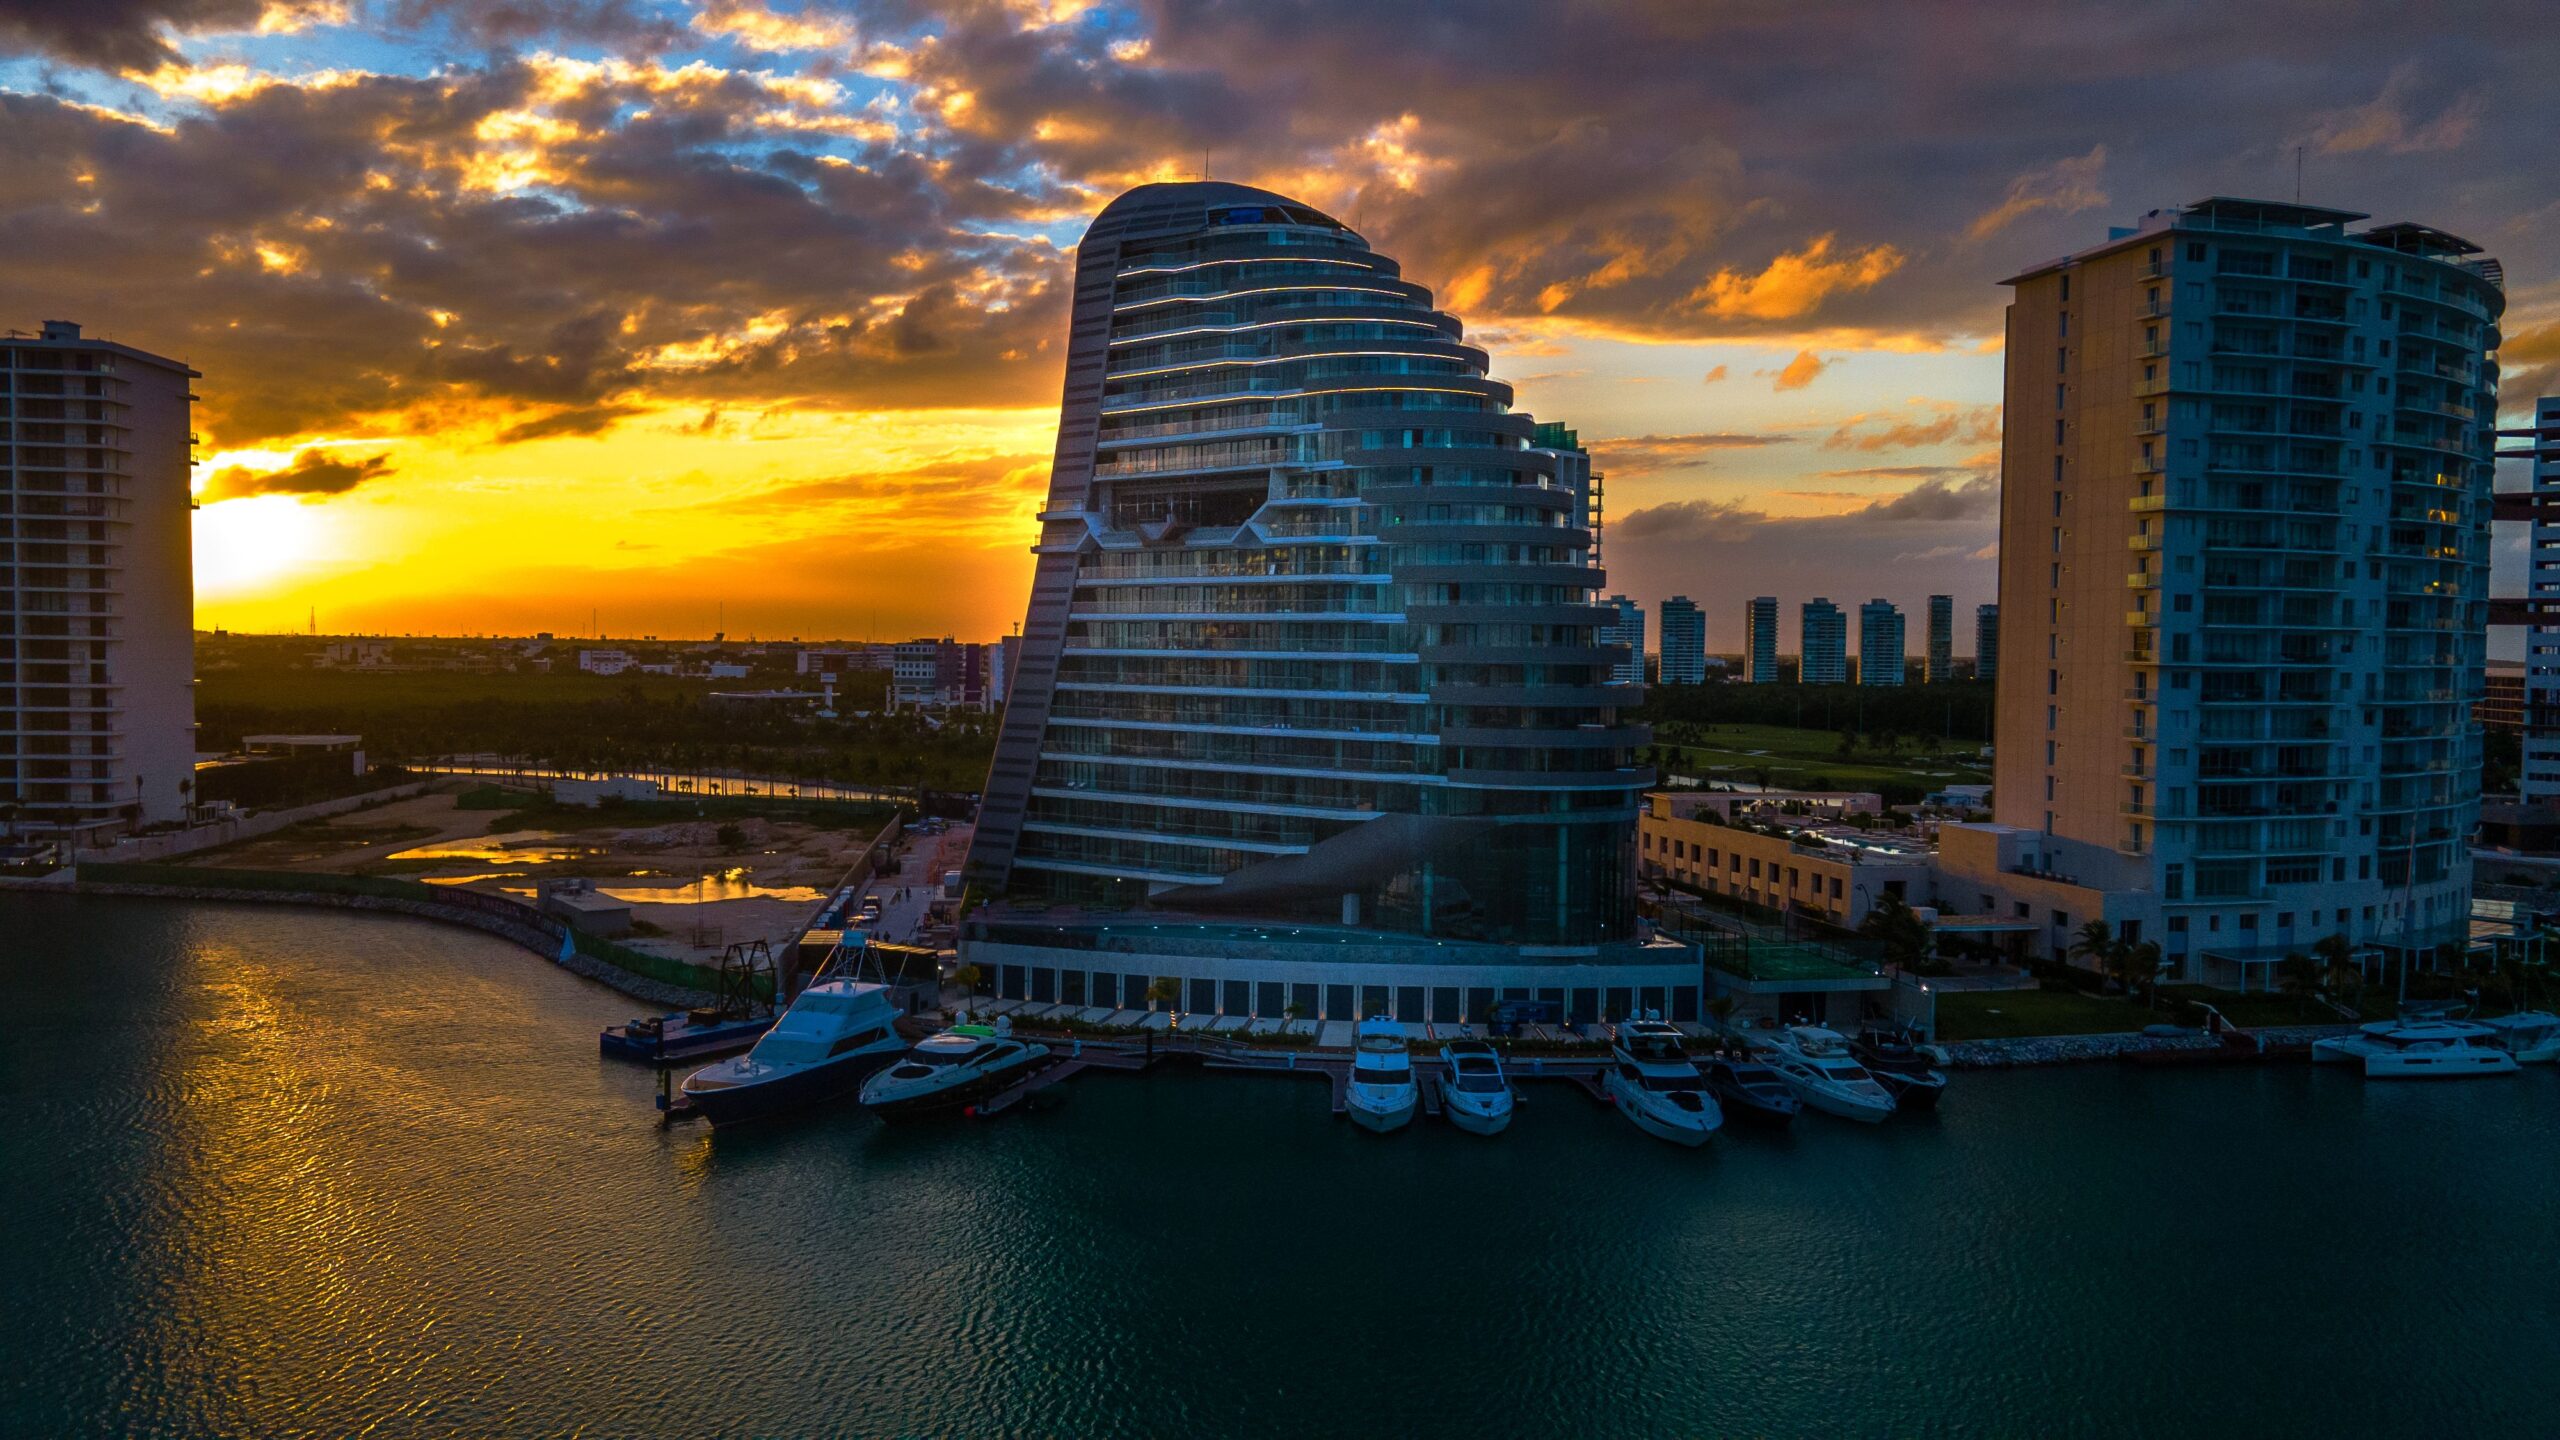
x,y
2417,1050
1474,1094
958,1067
2532,1036
836,1033
1817,1065
1381,1096
1653,1084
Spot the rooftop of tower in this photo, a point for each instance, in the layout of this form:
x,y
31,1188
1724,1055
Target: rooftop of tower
x,y
1198,204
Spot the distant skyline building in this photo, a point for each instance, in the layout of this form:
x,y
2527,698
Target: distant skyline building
x,y
1626,627
1760,640
1312,716
2244,526
1880,644
1941,659
1825,660
1684,642
97,584
2538,778
1986,642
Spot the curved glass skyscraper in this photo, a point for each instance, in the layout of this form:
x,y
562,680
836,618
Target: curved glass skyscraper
x,y
1312,637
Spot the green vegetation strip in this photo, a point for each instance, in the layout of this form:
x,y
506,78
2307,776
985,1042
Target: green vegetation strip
x,y
295,882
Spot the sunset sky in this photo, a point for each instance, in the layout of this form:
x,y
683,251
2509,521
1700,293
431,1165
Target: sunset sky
x,y
511,311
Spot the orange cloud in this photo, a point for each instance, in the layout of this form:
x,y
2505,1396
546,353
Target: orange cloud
x,y
1795,283
1800,371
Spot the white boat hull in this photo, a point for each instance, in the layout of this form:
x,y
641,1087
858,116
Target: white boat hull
x,y
1832,1102
2444,1065
1462,1112
1656,1125
1382,1119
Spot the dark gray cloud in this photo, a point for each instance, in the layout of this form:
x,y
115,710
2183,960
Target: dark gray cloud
x,y
114,34
1644,454
313,472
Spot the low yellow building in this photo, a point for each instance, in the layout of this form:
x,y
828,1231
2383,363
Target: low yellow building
x,y
1830,872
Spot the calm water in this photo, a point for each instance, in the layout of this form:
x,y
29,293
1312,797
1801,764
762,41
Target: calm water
x,y
277,1172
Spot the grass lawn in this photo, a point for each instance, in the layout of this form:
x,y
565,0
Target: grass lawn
x,y
1795,758
2018,1014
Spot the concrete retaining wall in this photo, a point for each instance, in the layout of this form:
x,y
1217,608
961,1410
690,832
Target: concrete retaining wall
x,y
144,849
535,933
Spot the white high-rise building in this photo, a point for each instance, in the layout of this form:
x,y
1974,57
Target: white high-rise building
x,y
97,584
2538,783
1626,627
1684,642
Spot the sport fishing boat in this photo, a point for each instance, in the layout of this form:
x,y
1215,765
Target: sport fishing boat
x,y
681,1036
836,1033
1474,1093
1381,1095
1653,1084
1909,1070
1749,1090
952,1070
2417,1050
1816,1064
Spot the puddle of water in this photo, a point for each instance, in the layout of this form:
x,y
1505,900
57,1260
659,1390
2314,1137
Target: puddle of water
x,y
530,848
729,886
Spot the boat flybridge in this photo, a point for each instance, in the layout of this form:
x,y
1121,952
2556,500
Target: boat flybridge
x,y
1474,1093
1381,1095
2417,1050
1652,1082
1816,1064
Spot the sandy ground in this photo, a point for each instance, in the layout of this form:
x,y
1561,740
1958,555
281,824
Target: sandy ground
x,y
679,880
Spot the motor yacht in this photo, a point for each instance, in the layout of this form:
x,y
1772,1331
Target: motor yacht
x,y
1911,1071
951,1070
836,1033
2532,1036
1816,1064
2417,1050
1749,1090
1474,1093
1652,1082
1381,1095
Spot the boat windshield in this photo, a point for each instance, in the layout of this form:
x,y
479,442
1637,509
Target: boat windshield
x,y
1846,1074
923,1056
1367,1075
779,1048
1673,1082
1479,1082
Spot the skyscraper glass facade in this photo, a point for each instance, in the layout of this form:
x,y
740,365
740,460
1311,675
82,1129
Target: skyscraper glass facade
x,y
1760,639
1684,642
1880,644
1312,634
1826,644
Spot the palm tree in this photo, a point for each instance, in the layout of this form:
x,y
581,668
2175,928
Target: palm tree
x,y
1722,1007
2299,976
1892,923
1165,991
2096,943
2132,965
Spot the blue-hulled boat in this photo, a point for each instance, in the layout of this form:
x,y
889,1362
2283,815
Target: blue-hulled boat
x,y
681,1036
831,1038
